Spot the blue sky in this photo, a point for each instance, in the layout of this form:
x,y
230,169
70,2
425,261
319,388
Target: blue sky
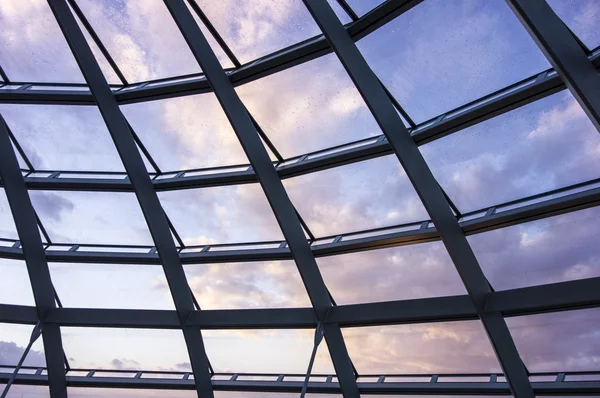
x,y
435,57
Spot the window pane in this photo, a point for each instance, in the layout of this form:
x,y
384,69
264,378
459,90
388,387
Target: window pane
x,y
32,47
361,7
442,347
21,391
264,351
111,286
582,17
7,223
130,349
235,213
309,107
78,392
253,29
446,54
264,284
15,287
399,273
63,137
142,38
339,11
13,341
370,194
542,146
186,132
558,342
91,217
551,250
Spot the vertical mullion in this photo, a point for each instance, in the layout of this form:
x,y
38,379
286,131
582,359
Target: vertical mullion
x,y
272,186
143,188
428,190
35,260
563,52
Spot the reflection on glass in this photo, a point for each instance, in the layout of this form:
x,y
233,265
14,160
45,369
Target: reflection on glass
x,y
65,137
266,284
370,194
91,217
558,342
32,47
442,347
15,287
265,351
253,29
125,349
545,251
143,39
446,54
228,214
185,132
582,17
111,286
309,107
400,273
545,145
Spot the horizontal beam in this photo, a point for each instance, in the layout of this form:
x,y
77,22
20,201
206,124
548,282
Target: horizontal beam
x,y
492,105
179,86
280,384
484,220
523,301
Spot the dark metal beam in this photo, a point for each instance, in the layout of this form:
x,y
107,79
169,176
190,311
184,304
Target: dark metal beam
x,y
35,259
145,193
563,51
428,190
272,186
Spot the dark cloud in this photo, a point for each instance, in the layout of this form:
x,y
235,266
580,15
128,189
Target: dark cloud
x,y
51,205
10,354
125,363
184,366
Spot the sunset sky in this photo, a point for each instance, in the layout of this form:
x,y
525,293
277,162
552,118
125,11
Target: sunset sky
x,y
433,58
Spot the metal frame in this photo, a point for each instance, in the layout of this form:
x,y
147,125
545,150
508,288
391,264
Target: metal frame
x,y
575,68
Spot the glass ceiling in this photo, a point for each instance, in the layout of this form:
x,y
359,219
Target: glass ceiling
x,y
512,149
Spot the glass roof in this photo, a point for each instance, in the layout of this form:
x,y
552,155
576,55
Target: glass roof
x,y
514,151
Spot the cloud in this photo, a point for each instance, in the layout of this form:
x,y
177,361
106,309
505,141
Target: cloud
x,y
124,363
52,205
10,354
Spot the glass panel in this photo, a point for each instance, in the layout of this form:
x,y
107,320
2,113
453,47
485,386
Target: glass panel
x,y
7,223
76,392
63,137
339,11
235,213
125,349
91,217
550,250
143,39
400,273
558,342
253,29
32,47
542,146
111,286
249,394
442,347
361,7
309,107
370,194
15,287
265,284
264,351
582,17
186,132
13,341
21,391
446,54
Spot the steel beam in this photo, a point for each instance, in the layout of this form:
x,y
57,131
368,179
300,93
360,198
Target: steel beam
x,y
35,260
272,186
144,191
428,190
563,51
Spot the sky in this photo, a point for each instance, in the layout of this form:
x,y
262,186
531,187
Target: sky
x,y
433,58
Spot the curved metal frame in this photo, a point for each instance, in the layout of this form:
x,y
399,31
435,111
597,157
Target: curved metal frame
x,y
576,69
